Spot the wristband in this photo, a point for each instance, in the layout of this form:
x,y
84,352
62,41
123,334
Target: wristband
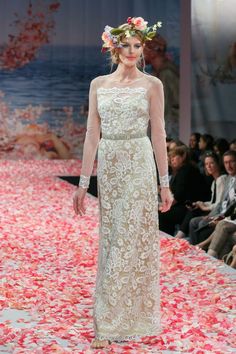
x,y
164,181
84,181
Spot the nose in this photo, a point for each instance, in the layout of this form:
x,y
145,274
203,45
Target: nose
x,y
131,49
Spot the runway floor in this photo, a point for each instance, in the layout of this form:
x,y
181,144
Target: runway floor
x,y
48,266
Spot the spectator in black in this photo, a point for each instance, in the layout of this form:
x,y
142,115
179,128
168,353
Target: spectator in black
x,y
171,146
232,145
205,145
185,184
194,146
221,145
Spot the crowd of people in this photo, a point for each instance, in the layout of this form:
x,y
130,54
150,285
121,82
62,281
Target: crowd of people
x,y
203,184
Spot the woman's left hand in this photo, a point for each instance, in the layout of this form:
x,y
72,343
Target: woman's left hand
x,y
166,199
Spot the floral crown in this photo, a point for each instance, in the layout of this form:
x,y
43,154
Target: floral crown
x,y
134,26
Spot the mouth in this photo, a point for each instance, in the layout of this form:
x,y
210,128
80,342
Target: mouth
x,y
131,58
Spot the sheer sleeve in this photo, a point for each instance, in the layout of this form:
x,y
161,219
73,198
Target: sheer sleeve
x,y
92,136
158,133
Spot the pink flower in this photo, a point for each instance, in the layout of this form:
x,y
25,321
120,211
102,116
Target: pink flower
x,y
139,23
105,37
129,20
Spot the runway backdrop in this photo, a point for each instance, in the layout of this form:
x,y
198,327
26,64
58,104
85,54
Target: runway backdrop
x,y
49,52
214,67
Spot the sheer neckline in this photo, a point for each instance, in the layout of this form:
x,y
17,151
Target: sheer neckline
x,y
126,88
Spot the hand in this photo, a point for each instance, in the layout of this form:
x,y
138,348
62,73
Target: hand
x,y
202,245
202,206
78,201
216,219
166,199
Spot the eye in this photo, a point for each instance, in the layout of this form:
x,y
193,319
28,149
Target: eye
x,y
125,45
137,45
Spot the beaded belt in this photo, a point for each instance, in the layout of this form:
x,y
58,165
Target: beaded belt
x,y
124,136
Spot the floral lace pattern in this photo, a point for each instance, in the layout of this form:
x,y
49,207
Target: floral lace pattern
x,y
127,296
123,110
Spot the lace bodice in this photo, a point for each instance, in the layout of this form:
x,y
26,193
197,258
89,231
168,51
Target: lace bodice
x,y
123,111
126,110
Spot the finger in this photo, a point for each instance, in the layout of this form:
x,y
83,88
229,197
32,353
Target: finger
x,y
82,207
75,203
164,207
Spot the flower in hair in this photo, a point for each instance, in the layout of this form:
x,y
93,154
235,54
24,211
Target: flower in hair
x,y
112,37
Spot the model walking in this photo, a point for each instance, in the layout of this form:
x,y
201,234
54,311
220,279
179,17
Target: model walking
x,y
121,104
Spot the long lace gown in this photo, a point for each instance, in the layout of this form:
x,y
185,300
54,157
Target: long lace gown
x,y
127,295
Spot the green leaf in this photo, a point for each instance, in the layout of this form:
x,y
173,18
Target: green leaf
x,y
151,35
116,31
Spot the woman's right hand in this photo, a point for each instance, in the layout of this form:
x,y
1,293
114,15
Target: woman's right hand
x,y
78,201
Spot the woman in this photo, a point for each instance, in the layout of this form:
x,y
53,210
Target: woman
x,y
194,146
121,104
186,185
212,168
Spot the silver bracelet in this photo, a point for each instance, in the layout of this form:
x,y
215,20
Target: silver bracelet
x,y
84,181
164,181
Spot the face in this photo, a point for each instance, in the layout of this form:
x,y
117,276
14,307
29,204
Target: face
x,y
202,144
131,50
192,142
210,166
230,165
176,161
216,150
232,146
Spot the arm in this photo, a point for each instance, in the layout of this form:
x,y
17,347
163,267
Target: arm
x,y
92,133
158,133
89,150
158,139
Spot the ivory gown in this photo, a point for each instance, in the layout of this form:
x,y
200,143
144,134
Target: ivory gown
x,y
127,294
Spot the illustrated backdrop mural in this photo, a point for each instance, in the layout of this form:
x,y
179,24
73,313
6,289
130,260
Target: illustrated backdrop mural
x,y
50,51
214,67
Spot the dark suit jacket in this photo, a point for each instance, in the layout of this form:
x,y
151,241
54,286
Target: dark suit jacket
x,y
188,184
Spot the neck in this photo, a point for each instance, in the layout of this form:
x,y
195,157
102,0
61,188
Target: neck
x,y
124,73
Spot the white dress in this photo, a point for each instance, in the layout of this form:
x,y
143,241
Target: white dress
x,y
127,294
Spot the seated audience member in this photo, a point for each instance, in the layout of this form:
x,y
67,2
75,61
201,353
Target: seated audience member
x,y
206,142
185,184
221,145
171,146
174,143
194,146
232,145
222,240
213,168
201,227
